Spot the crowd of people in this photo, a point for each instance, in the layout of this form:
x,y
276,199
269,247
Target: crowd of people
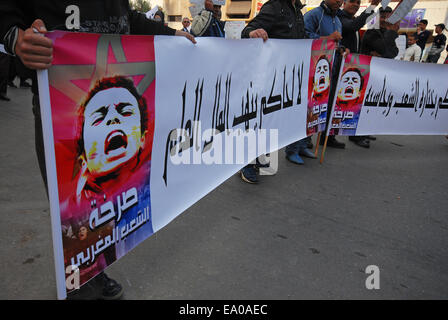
x,y
10,69
282,19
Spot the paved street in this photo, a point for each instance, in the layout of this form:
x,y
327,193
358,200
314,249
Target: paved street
x,y
308,232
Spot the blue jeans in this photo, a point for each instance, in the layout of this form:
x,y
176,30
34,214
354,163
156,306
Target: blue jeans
x,y
433,58
296,147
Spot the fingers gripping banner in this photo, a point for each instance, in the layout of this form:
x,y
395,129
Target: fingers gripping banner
x,y
139,128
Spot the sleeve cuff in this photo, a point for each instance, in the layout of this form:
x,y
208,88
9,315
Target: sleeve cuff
x,y
10,40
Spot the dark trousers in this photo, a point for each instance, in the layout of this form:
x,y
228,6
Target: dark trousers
x,y
296,147
334,81
4,72
433,58
39,140
12,69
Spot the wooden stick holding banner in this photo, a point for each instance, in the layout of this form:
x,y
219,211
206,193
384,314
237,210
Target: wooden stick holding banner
x,y
330,121
323,150
316,151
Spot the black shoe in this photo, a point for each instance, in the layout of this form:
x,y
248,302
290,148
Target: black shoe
x,y
371,138
362,142
112,290
333,143
249,174
5,98
11,84
99,288
25,84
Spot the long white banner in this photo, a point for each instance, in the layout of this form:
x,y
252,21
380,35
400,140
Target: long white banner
x,y
385,96
139,128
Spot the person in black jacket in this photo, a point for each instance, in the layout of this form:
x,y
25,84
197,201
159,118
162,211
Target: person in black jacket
x,y
438,44
352,40
351,24
20,23
381,42
280,19
422,34
4,71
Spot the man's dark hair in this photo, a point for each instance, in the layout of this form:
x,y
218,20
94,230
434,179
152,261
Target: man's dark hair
x,y
385,10
322,57
424,21
360,76
104,84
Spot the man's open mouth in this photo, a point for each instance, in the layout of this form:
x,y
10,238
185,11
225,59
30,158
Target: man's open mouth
x,y
115,140
321,80
349,91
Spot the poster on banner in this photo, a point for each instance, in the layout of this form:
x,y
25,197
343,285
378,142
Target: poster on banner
x,y
102,106
321,66
350,91
128,149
